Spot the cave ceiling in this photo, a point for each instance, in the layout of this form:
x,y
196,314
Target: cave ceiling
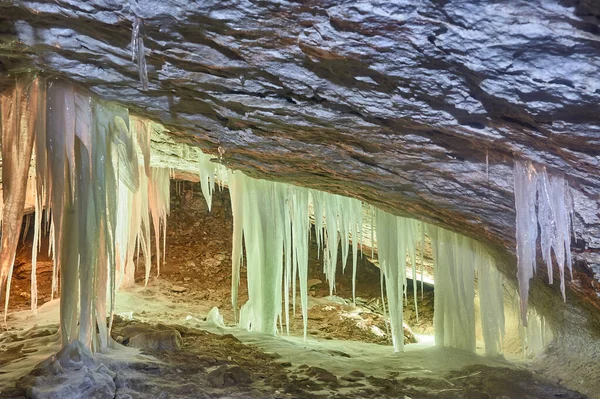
x,y
417,107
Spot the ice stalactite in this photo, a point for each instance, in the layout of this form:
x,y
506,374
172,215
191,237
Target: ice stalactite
x,y
338,221
454,258
19,124
262,228
271,221
138,51
207,171
554,215
159,196
391,252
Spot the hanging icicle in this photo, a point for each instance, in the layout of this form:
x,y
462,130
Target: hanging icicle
x,y
138,51
19,123
554,216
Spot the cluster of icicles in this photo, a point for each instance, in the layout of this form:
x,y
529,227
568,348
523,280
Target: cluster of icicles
x,y
273,222
555,213
96,193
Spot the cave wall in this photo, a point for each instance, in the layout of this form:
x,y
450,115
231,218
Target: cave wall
x,y
418,109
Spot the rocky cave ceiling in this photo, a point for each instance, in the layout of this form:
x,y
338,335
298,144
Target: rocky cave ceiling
x,y
400,104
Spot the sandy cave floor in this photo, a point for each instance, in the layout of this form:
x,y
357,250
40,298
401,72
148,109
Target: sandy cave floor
x,y
183,355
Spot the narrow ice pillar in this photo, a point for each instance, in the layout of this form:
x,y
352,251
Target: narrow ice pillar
x,y
491,302
19,117
392,260
454,311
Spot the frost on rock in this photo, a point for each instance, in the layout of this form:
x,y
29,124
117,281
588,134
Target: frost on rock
x,y
533,185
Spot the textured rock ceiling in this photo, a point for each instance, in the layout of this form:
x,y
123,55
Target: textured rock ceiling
x,y
395,103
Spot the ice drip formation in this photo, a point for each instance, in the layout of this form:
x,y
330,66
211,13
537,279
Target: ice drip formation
x,y
89,165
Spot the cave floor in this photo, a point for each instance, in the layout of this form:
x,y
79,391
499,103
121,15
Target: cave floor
x,y
213,360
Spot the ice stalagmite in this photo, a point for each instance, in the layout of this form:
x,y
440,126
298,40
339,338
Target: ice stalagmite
x,y
19,118
533,185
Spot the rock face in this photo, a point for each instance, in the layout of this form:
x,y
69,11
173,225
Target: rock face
x,y
419,109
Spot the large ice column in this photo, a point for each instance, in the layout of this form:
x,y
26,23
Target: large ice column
x,y
91,164
271,221
260,204
19,123
491,301
554,215
454,313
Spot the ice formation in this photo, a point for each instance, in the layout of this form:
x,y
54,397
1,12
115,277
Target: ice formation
x,y
90,186
138,51
97,179
272,223
455,257
19,124
554,215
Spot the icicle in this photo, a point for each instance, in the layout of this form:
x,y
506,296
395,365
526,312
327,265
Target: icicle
x,y
422,243
207,170
454,312
19,114
158,201
554,215
288,273
487,164
392,260
491,300
236,190
139,52
300,232
526,228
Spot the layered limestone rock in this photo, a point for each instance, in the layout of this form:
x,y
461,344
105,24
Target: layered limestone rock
x,y
418,109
